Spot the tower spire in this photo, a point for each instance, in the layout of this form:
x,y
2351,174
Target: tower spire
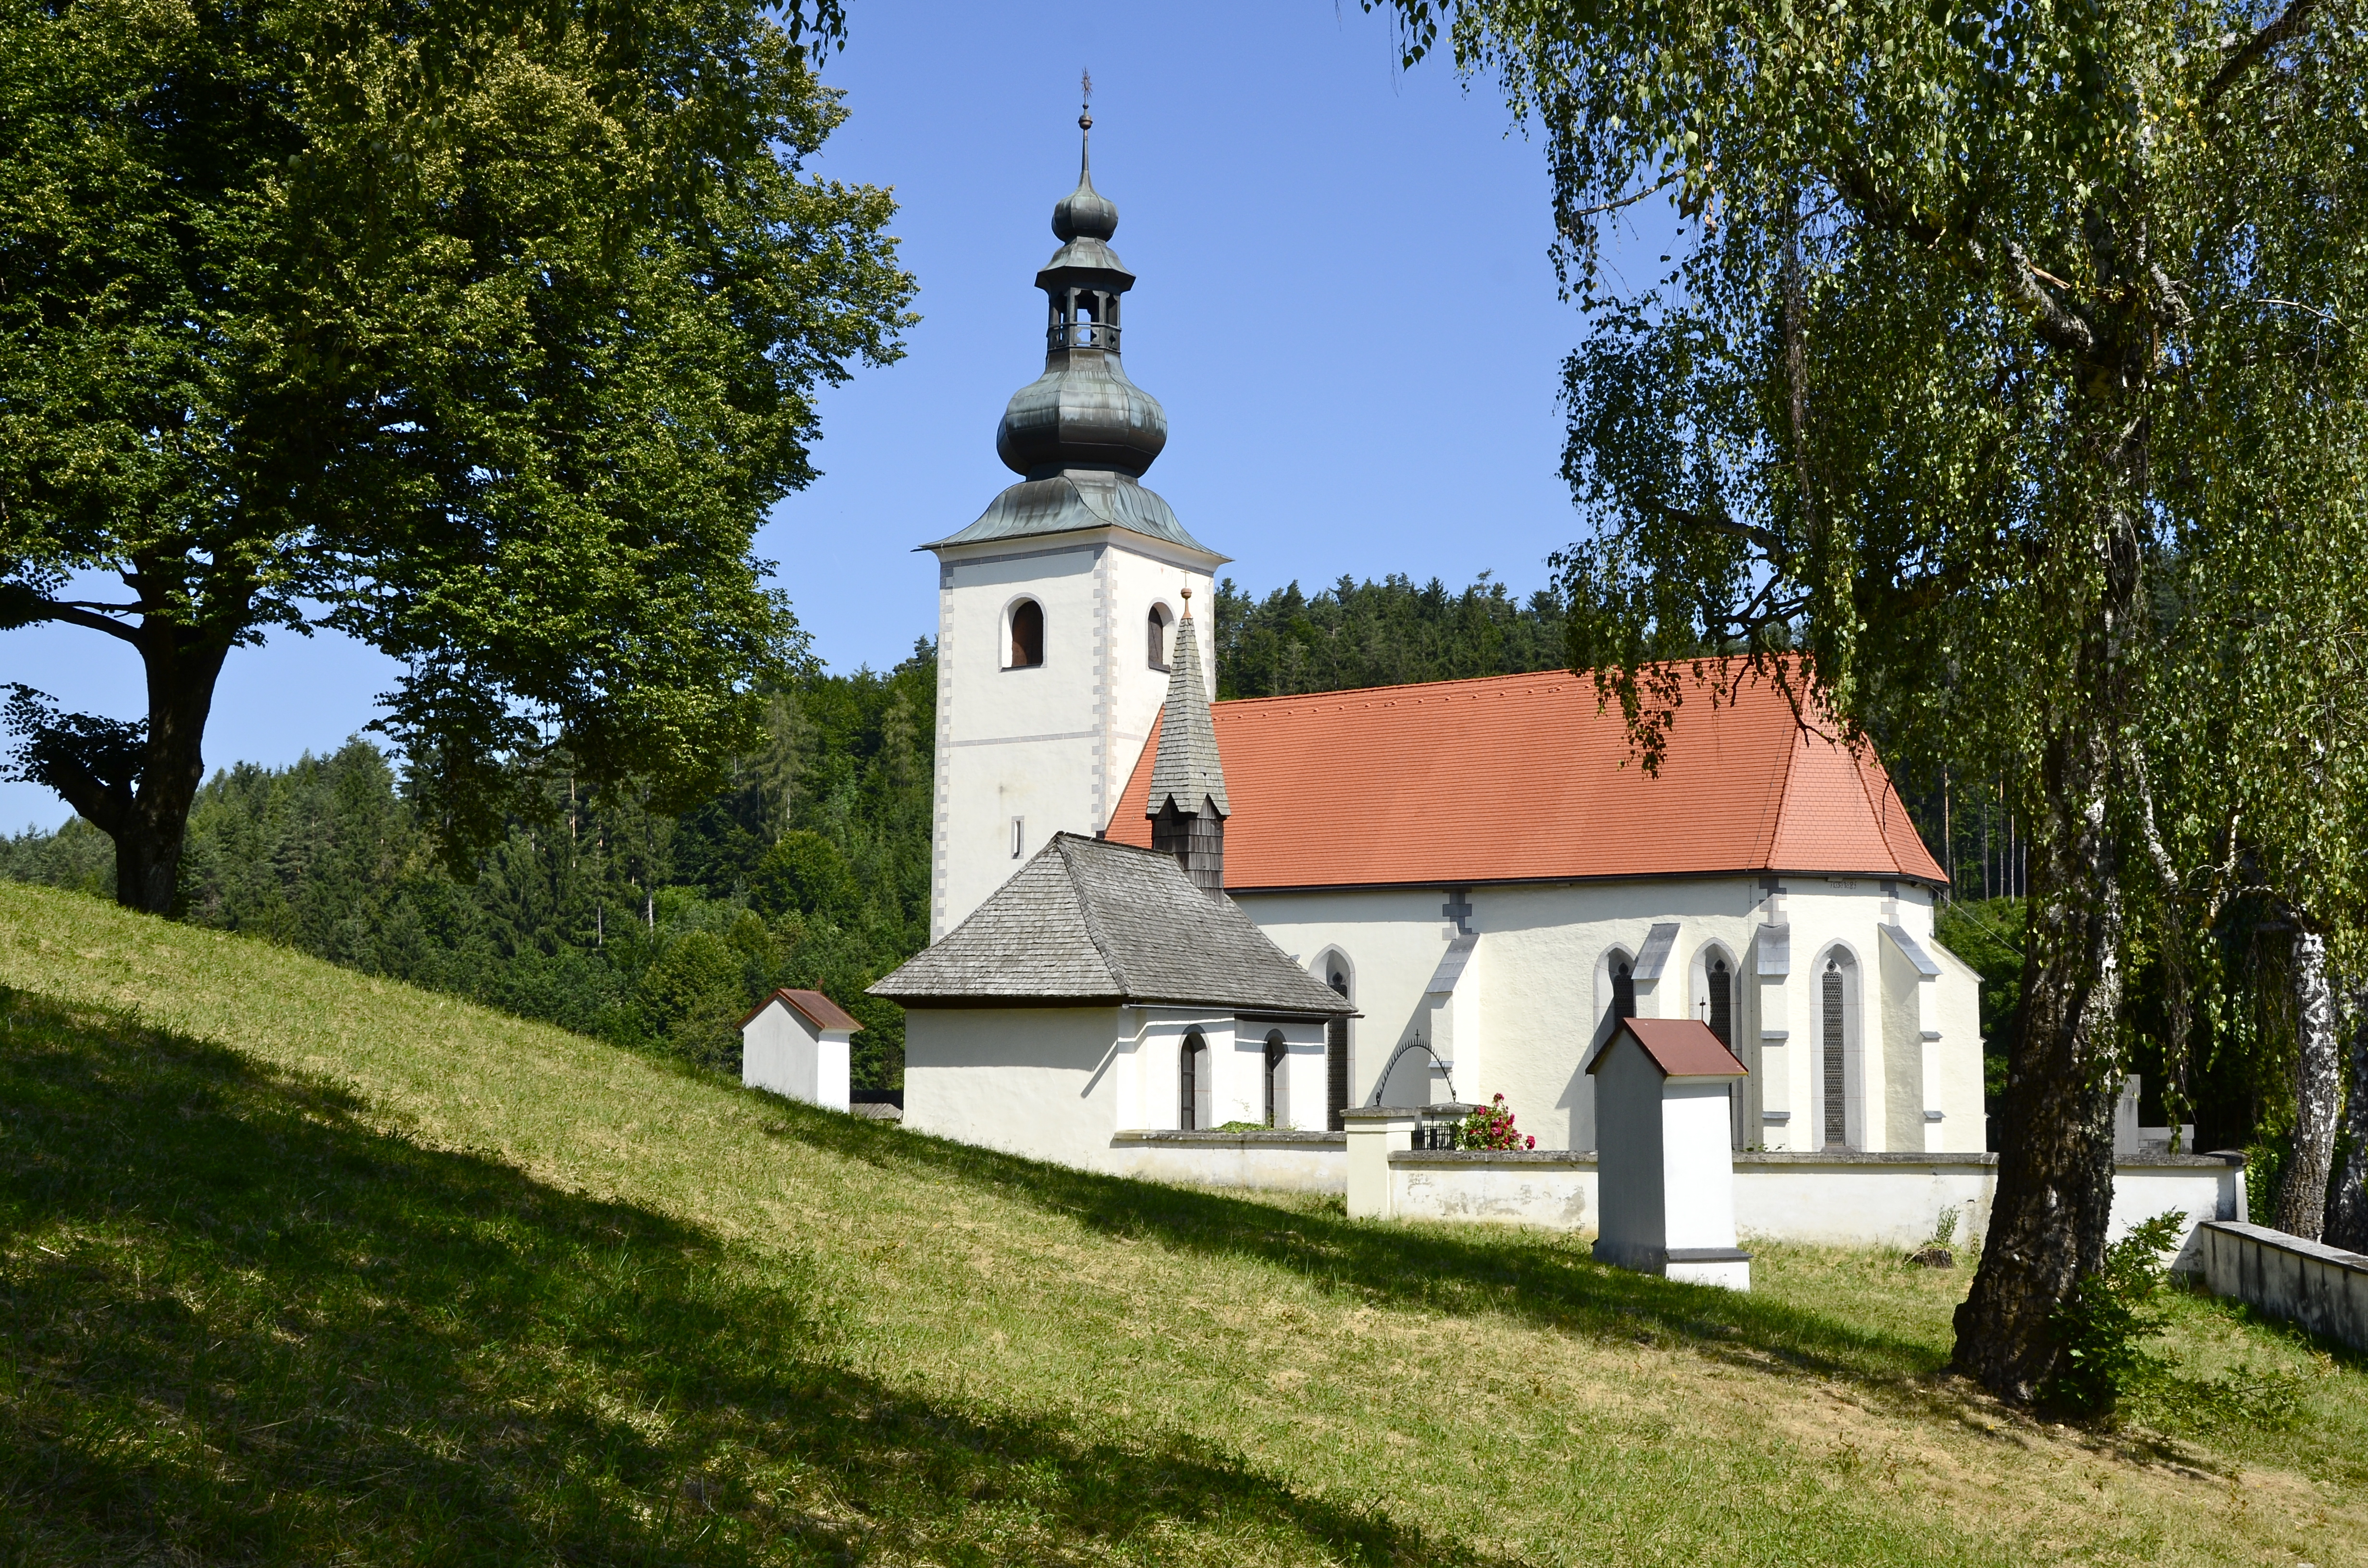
x,y
1188,806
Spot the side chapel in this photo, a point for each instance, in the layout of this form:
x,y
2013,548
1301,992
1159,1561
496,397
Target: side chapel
x,y
1151,912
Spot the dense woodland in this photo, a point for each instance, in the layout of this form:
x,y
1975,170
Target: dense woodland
x,y
811,867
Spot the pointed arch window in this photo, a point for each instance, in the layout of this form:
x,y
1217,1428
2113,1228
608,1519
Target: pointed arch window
x,y
1335,1059
1722,1001
1624,987
1193,1083
1278,1085
1830,1000
1027,635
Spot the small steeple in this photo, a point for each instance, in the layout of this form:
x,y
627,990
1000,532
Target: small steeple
x,y
1085,211
1188,807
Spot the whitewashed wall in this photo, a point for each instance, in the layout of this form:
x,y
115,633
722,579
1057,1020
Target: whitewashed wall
x,y
1054,744
1539,998
1843,1201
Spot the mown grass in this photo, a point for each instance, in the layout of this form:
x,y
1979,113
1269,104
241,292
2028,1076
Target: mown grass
x,y
298,1267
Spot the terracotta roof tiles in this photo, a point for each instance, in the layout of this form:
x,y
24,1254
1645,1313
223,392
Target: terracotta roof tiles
x,y
1526,778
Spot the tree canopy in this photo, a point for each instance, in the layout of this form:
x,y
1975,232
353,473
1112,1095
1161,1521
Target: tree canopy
x,y
2006,392
485,334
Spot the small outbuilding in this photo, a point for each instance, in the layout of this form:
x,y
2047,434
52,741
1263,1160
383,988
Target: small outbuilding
x,y
796,1043
1664,1169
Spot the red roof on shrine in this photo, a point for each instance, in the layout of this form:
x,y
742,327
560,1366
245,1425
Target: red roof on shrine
x,y
1680,1048
1526,778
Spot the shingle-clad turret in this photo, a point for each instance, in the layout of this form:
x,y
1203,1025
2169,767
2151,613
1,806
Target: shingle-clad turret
x,y
1188,807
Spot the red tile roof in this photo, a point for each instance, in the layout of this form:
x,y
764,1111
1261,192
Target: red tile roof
x,y
1680,1048
817,1008
1522,779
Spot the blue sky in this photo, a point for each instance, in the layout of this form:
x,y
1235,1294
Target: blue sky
x,y
1344,300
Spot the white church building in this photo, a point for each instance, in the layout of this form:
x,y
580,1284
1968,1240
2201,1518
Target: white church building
x,y
1156,915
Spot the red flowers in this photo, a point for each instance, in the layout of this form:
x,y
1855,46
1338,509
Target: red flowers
x,y
1491,1127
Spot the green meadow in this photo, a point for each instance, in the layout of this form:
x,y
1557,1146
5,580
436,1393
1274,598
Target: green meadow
x,y
302,1267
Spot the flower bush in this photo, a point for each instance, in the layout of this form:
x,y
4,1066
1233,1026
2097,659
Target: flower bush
x,y
1491,1127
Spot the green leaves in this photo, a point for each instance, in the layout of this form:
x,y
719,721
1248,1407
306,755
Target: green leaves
x,y
487,335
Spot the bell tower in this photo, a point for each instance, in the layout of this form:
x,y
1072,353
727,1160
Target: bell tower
x,y
1057,610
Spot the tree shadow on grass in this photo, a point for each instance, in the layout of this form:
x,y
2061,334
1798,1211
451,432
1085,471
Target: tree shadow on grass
x,y
1450,1269
242,1323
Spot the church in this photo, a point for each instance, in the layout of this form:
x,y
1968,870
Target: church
x,y
1156,915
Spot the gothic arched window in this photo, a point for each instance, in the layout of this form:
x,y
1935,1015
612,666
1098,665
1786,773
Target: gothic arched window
x,y
1192,1082
1027,635
1722,1002
1335,1060
1837,1129
1160,621
1623,988
1278,1087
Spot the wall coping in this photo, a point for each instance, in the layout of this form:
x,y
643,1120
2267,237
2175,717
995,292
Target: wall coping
x,y
1256,1138
1795,1159
2317,1251
1490,1157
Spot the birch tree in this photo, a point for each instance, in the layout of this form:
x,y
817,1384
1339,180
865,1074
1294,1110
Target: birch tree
x,y
1967,300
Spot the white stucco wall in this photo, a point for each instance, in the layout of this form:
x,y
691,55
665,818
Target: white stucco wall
x,y
1535,998
1033,1081
782,1051
1052,745
1848,1200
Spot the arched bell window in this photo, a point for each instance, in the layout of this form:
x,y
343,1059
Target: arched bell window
x,y
1027,635
1278,1087
1192,1083
1157,636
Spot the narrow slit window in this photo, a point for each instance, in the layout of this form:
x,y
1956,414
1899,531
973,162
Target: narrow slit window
x,y
1277,1088
1722,1004
1019,835
1335,1062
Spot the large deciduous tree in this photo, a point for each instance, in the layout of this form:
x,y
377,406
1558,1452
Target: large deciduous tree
x,y
1996,327
485,333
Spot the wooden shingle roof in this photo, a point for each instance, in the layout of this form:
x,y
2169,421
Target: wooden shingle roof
x,y
1087,921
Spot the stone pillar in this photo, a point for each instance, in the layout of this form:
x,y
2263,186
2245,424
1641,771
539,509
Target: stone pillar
x,y
1374,1133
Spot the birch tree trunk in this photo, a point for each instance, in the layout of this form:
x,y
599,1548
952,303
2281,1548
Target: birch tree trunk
x,y
2347,1195
2302,1188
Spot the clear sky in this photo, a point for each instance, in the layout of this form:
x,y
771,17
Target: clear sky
x,y
1344,300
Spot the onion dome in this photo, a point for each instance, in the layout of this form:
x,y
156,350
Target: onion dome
x,y
1081,433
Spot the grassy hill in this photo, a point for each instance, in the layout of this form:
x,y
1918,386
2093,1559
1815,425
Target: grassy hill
x,y
300,1267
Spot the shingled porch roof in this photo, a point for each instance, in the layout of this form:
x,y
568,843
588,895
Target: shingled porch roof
x,y
1086,921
